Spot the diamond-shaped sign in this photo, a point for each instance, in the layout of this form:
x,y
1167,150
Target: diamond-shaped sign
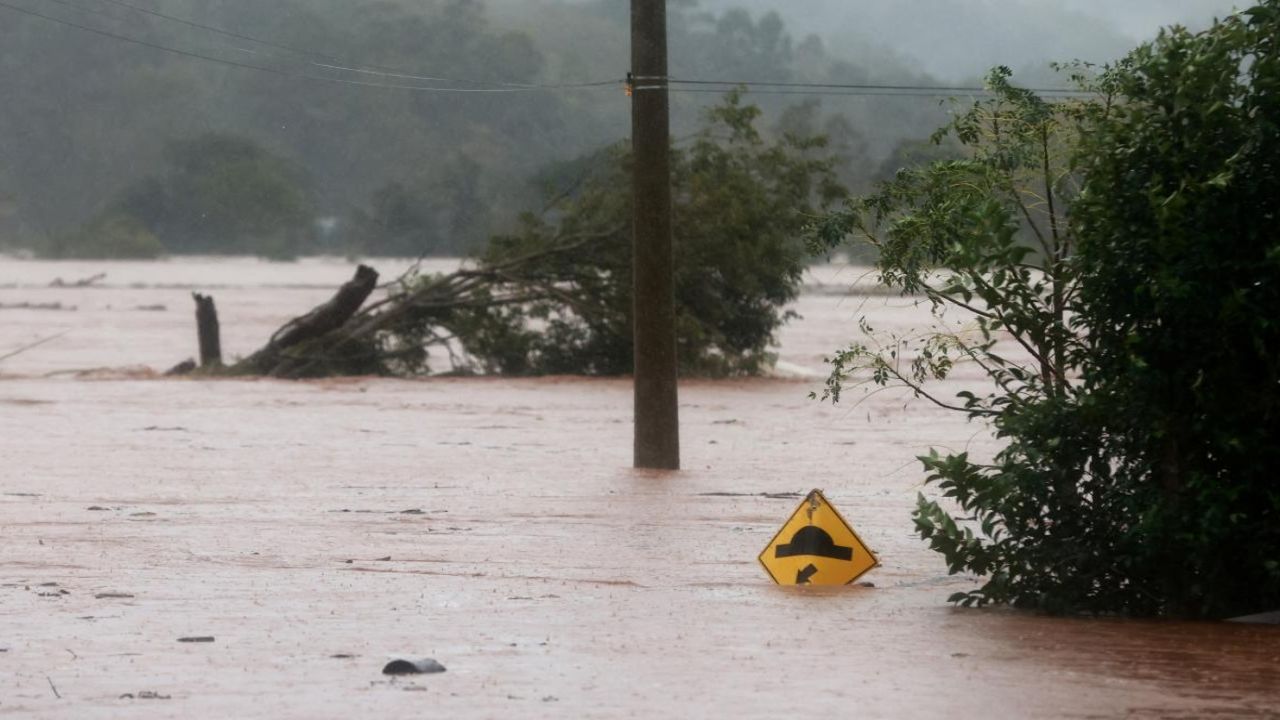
x,y
816,546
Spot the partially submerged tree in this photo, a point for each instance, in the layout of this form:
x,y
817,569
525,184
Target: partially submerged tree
x,y
1137,474
555,297
739,204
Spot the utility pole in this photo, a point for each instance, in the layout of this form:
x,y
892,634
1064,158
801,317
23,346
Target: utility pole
x,y
657,421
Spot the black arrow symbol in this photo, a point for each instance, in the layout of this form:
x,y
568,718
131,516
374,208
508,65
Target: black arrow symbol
x,y
802,576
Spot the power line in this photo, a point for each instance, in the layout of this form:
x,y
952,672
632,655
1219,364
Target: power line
x,y
277,71
675,85
337,63
924,93
874,87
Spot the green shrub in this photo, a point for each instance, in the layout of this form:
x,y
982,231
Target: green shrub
x,y
1180,286
1137,474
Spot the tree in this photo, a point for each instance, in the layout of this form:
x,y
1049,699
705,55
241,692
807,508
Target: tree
x,y
1180,284
1137,471
739,205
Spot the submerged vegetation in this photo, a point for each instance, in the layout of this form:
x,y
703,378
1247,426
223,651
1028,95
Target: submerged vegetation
x,y
555,298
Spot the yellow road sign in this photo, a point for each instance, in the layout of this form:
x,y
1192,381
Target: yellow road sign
x,y
816,546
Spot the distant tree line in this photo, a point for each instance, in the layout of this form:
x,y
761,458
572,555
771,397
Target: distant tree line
x,y
113,149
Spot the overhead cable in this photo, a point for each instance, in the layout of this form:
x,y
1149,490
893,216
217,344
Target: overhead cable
x,y
765,87
672,84
286,73
331,62
869,92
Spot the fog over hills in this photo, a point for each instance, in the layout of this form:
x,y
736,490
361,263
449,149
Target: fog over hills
x,y
108,104
961,39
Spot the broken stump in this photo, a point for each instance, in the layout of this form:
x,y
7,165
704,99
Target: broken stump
x,y
208,331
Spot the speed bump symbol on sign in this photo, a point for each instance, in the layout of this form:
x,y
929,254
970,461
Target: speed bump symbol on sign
x,y
816,546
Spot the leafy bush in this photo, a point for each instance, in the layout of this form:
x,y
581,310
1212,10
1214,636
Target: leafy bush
x,y
1140,437
1180,285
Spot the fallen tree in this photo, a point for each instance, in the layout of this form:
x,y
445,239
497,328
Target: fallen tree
x,y
396,335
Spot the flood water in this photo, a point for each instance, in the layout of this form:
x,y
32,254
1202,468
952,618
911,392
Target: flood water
x,y
317,529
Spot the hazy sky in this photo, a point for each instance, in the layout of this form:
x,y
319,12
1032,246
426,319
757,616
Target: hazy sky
x,y
963,38
1135,18
1139,18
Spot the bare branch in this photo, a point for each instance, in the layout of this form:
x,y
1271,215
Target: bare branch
x,y
32,346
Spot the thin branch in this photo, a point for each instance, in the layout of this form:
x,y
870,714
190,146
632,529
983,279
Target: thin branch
x,y
1026,213
931,294
33,345
921,392
1017,334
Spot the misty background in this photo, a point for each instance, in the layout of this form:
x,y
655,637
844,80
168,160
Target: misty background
x,y
358,128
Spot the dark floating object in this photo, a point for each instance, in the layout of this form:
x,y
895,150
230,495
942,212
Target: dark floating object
x,y
111,595
422,666
767,495
146,695
186,367
197,639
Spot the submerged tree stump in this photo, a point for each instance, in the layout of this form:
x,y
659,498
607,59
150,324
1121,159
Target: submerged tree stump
x,y
208,331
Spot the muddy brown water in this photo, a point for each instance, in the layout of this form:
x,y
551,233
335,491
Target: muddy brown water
x,y
315,530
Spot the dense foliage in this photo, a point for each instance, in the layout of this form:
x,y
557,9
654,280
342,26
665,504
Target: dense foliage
x,y
220,193
1136,474
111,235
217,193
740,202
1180,287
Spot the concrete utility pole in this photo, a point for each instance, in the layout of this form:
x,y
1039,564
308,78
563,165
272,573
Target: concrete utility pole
x,y
657,432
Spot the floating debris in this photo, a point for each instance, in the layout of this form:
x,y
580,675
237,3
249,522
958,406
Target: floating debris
x,y
422,666
146,695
